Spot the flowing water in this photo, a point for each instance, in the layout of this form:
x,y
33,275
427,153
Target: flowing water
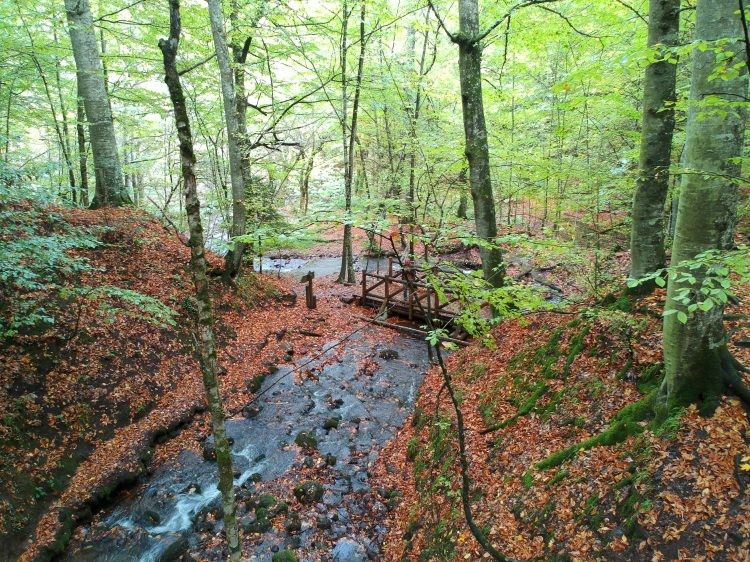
x,y
166,514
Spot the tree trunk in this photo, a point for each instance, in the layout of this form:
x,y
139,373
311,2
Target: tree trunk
x,y
207,341
233,259
463,203
83,154
652,185
346,274
475,130
110,187
695,354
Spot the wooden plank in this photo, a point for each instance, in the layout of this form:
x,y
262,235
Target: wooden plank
x,y
409,330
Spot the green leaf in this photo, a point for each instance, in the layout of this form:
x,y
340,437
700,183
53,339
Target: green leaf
x,y
706,305
682,317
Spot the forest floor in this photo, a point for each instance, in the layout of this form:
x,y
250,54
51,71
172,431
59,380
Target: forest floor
x,y
103,401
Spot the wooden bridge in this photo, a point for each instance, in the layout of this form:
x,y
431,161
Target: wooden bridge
x,y
406,292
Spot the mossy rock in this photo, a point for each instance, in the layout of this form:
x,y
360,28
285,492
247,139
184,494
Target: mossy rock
x,y
309,492
306,440
331,423
266,501
260,525
254,383
284,556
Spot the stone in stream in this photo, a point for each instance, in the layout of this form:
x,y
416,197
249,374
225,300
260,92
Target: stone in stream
x,y
332,423
306,440
388,354
176,547
309,492
347,550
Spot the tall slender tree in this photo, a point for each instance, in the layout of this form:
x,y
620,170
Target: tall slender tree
x,y
110,185
469,39
660,78
206,335
233,259
346,274
697,362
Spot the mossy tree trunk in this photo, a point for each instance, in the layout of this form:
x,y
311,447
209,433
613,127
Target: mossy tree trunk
x,y
206,339
233,259
696,359
475,130
110,185
652,184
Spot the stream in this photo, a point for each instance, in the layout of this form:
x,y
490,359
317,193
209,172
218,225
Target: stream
x,y
347,405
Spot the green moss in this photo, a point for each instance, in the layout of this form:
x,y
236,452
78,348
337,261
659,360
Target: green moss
x,y
650,377
306,440
559,477
284,556
623,425
527,479
576,346
412,448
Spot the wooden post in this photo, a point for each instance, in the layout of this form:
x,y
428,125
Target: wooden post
x,y
310,299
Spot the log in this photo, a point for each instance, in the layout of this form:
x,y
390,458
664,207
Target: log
x,y
408,330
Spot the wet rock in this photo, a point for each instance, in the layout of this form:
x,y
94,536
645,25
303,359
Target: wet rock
x,y
253,384
259,524
267,501
331,423
151,518
347,300
206,518
293,524
388,354
335,404
359,482
176,547
306,440
281,507
271,368
309,492
251,411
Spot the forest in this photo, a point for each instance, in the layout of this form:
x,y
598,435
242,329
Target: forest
x,y
349,280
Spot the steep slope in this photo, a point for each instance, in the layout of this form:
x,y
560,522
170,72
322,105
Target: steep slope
x,y
564,462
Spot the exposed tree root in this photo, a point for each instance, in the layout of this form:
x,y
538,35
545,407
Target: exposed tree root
x,y
731,369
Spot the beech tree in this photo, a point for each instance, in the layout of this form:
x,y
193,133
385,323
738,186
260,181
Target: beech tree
x,y
110,185
346,273
652,183
239,213
206,335
697,362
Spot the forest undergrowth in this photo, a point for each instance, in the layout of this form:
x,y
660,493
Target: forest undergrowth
x,y
564,459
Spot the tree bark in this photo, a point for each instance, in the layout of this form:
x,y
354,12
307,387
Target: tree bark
x,y
110,187
477,149
83,155
346,274
695,351
652,185
207,341
233,259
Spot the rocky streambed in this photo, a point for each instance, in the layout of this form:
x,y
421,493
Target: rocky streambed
x,y
302,450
